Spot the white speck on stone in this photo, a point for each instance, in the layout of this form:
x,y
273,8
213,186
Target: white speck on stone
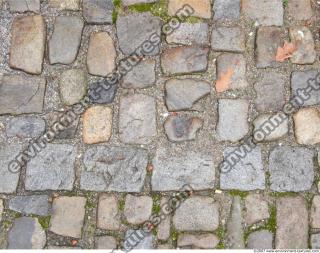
x,y
301,34
218,191
250,34
256,24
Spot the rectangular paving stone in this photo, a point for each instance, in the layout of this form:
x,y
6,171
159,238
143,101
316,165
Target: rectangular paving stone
x,y
173,171
28,36
300,9
257,208
226,10
291,169
315,212
201,8
138,240
190,34
266,12
203,241
247,174
114,169
25,127
197,214
105,242
292,223
98,11
71,5
24,5
184,59
230,39
164,227
108,213
52,169
315,241
20,94
8,178
137,209
262,239
34,204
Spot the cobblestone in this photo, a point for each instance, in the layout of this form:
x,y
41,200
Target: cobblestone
x,y
204,241
24,6
231,39
25,127
137,209
108,213
260,240
106,242
98,11
315,212
226,10
257,209
35,204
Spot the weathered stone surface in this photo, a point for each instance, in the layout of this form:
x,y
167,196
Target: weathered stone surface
x,y
245,175
235,233
270,127
68,216
201,8
168,174
52,169
65,41
138,239
137,120
114,169
184,59
260,240
182,128
267,12
27,43
235,64
300,9
140,33
102,92
257,209
131,2
25,127
306,126
108,213
270,92
101,56
182,94
190,34
315,241
26,233
70,124
20,94
230,39
105,242
233,119
24,6
292,223
197,214
73,86
226,10
268,40
165,246
315,212
97,124
204,241
98,11
8,179
302,38
141,76
71,5
35,204
291,169
164,227
301,80
137,209
1,209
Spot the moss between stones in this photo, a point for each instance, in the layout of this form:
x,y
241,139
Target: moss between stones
x,y
117,9
272,221
285,3
283,194
159,9
44,222
174,234
238,193
121,204
220,232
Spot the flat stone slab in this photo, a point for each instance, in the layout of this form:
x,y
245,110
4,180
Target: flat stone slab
x,y
204,241
8,179
108,213
114,169
267,13
101,92
138,240
233,119
141,76
35,204
184,59
98,11
270,92
105,242
52,169
25,127
292,223
70,5
28,43
315,241
68,216
182,94
24,6
137,119
133,30
315,212
138,209
65,40
247,174
226,10
260,240
291,169
173,171
201,8
257,209
164,228
20,94
190,34
230,39
300,9
197,214
26,233
101,56
306,126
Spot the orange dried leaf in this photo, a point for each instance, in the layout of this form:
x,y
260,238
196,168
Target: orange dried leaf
x,y
285,52
74,242
223,82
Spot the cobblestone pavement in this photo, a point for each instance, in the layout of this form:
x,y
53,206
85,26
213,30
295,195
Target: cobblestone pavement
x,y
190,105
